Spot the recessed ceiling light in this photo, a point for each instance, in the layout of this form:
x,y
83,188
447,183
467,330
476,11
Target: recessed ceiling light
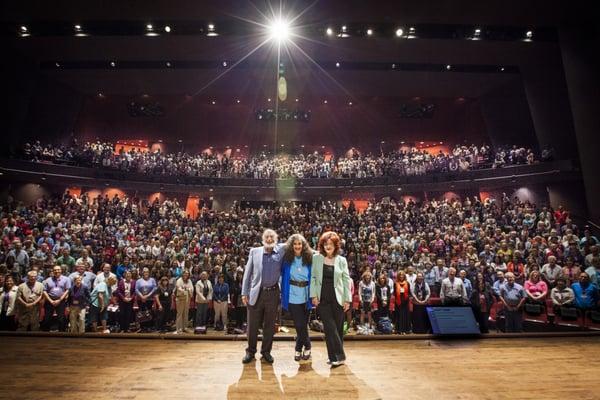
x,y
344,28
77,27
369,31
213,102
297,100
168,64
238,101
57,64
113,64
149,27
329,31
324,101
167,28
337,64
224,63
399,32
448,67
529,34
24,28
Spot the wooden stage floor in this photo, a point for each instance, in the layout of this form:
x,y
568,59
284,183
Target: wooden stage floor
x,y
523,368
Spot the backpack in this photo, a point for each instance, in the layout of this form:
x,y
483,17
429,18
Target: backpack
x,y
384,325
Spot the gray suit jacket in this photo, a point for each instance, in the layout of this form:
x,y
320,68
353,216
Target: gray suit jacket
x,y
251,283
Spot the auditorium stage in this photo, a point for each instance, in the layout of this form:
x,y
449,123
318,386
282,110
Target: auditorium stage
x,y
113,368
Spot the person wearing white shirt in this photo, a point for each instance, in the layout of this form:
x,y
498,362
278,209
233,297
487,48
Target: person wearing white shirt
x,y
453,292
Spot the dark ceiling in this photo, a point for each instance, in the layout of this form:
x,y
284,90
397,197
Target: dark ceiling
x,y
304,61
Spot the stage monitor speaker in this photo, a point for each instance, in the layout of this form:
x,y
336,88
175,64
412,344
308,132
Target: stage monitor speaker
x,y
452,321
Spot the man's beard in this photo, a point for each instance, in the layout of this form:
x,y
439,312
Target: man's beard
x,y
268,246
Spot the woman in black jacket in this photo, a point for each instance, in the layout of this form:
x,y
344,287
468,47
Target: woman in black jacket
x,y
383,294
482,299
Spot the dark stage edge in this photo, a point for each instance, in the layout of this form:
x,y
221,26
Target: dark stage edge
x,y
288,337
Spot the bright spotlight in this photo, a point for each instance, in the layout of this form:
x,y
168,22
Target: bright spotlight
x,y
399,32
369,32
167,28
329,31
529,34
279,30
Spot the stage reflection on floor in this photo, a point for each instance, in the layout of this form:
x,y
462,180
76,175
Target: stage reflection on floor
x,y
90,369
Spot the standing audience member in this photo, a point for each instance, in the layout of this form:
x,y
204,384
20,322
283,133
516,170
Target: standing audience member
x,y
99,301
401,303
420,293
29,295
56,292
79,296
8,296
126,298
453,292
184,291
204,294
221,303
366,295
383,294
482,299
513,296
145,288
163,299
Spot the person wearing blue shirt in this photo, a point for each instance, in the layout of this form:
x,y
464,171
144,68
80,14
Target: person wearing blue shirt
x,y
221,302
295,280
586,293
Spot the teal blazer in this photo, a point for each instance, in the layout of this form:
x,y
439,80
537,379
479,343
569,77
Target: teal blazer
x,y
341,278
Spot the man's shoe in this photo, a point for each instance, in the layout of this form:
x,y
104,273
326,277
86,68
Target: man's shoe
x,y
337,363
306,355
297,356
248,358
267,358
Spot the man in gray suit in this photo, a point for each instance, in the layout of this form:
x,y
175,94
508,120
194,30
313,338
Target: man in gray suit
x,y
261,293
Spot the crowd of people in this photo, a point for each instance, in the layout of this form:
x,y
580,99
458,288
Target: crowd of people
x,y
149,266
407,162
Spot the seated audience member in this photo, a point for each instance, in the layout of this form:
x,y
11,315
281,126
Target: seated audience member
x,y
420,293
551,271
593,271
561,295
586,293
56,292
453,292
79,296
536,289
570,271
513,297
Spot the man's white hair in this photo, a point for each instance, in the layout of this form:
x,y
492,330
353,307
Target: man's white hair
x,y
269,232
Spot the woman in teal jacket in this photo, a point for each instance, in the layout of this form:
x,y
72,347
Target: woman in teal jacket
x,y
330,291
295,282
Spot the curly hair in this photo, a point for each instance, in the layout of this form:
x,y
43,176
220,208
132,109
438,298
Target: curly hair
x,y
307,252
335,239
